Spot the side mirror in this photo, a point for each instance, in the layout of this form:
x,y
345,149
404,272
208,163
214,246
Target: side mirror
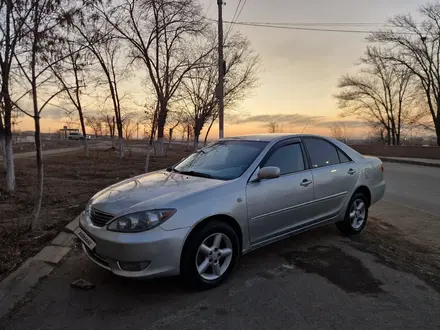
x,y
269,172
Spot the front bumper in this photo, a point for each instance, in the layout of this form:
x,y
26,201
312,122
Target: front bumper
x,y
157,250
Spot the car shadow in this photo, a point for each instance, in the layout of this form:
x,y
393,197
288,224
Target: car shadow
x,y
252,262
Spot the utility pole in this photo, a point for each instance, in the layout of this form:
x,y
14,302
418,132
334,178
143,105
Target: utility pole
x,y
221,72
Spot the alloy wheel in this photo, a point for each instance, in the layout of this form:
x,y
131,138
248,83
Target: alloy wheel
x,y
357,213
214,256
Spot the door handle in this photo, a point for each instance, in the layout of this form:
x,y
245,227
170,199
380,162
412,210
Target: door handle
x,y
351,171
305,183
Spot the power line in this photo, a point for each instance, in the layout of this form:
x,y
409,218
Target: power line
x,y
236,10
325,24
298,28
316,27
244,3
234,18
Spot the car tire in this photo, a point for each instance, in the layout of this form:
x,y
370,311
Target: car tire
x,y
193,256
356,215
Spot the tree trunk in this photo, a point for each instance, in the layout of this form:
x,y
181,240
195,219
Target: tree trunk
x,y
187,137
83,129
112,132
209,129
3,150
161,120
437,130
147,159
121,147
170,138
388,136
197,130
8,162
40,175
196,141
121,141
160,143
437,127
6,146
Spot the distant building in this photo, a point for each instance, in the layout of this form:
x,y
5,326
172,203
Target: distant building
x,y
65,131
23,137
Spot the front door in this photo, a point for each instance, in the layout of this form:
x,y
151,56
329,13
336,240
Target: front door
x,y
277,206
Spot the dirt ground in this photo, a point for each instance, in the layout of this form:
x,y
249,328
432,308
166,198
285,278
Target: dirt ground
x,y
50,145
70,181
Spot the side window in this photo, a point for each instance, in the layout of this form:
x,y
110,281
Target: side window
x,y
343,158
322,153
288,158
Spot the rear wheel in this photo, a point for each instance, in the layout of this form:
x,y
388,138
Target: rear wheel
x,y
355,216
209,255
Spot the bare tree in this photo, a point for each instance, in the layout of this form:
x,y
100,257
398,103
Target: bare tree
x,y
339,131
150,120
96,124
13,15
174,120
70,73
110,124
129,126
46,24
274,127
381,93
416,47
199,88
162,34
97,37
379,133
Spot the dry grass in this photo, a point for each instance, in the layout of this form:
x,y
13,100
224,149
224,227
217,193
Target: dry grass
x,y
70,181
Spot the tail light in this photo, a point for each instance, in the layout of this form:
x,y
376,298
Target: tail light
x,y
382,168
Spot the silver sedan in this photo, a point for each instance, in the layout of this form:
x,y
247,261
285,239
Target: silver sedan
x,y
229,198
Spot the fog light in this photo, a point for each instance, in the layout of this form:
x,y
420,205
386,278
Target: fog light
x,y
133,266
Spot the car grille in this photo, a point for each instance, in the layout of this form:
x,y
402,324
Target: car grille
x,y
99,218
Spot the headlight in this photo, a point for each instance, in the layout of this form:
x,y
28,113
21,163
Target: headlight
x,y
140,221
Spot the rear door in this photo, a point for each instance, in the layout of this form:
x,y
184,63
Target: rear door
x,y
277,206
334,176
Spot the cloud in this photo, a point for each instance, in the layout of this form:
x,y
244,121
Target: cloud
x,y
347,123
51,112
56,113
294,118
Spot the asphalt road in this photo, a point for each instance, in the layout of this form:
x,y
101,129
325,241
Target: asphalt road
x,y
416,187
382,279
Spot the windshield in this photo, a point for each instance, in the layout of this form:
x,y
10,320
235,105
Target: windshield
x,y
224,160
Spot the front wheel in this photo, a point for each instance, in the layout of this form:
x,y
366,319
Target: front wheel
x,y
356,215
209,255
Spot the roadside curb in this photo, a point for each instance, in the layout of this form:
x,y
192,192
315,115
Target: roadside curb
x,y
411,162
16,286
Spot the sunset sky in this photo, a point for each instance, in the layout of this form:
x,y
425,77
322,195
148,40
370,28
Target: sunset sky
x,y
300,69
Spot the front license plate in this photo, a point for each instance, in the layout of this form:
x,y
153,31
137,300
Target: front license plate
x,y
86,239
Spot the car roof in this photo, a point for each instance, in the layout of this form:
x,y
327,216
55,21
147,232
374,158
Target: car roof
x,y
273,138
268,137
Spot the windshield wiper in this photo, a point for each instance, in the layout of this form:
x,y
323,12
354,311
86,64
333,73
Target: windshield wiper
x,y
195,173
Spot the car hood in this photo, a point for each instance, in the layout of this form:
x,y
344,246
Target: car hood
x,y
149,191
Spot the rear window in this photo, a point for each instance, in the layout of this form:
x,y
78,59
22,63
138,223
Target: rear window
x,y
322,153
343,157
